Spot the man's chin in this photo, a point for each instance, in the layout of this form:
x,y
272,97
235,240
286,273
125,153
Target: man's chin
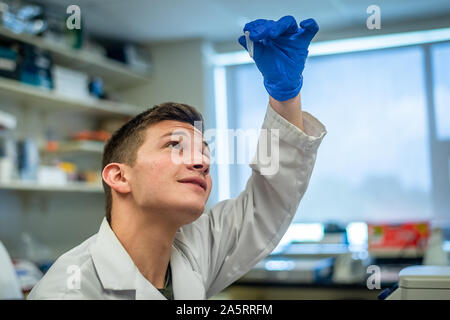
x,y
189,212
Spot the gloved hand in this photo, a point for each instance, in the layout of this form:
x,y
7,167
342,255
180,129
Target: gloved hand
x,y
280,51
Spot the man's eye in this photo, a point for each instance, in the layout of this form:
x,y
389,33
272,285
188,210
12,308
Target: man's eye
x,y
175,144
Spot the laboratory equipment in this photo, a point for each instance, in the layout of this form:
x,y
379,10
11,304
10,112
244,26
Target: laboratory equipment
x,y
422,283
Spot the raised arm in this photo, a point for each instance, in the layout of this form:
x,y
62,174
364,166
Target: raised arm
x,y
290,110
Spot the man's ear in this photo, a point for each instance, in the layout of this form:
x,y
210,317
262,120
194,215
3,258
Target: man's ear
x,y
114,175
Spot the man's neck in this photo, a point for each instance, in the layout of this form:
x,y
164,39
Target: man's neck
x,y
147,241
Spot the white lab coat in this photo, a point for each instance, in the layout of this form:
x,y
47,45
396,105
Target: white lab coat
x,y
209,254
9,281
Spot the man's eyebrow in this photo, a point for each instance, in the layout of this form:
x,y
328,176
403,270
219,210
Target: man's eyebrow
x,y
181,133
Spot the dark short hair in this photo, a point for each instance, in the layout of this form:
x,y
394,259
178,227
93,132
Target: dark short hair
x,y
123,145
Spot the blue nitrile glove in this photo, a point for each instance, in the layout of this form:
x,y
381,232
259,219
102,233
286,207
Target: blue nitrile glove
x,y
280,51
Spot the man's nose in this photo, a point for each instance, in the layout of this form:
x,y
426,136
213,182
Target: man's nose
x,y
200,162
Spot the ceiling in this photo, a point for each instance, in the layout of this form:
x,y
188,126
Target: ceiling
x,y
223,20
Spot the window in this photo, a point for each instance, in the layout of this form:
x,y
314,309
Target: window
x,y
246,110
439,84
374,163
441,72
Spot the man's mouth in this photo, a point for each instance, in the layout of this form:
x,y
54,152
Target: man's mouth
x,y
200,182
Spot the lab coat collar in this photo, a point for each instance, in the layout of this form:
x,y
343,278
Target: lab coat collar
x,y
117,270
186,284
114,266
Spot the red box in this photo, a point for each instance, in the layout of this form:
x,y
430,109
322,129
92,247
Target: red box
x,y
398,236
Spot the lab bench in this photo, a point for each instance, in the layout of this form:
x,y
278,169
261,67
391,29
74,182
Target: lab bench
x,y
309,291
312,277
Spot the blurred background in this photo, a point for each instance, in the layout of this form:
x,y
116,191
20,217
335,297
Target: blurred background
x,y
378,78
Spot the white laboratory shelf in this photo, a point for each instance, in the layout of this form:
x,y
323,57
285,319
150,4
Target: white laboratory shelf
x,y
115,74
81,187
47,99
78,147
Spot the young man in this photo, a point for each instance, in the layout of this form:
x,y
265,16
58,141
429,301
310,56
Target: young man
x,y
156,241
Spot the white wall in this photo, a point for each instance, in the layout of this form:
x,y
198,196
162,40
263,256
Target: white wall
x,y
177,76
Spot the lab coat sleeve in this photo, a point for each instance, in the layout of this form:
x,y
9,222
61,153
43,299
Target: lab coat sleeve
x,y
230,238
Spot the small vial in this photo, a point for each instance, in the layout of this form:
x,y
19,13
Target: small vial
x,y
249,43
